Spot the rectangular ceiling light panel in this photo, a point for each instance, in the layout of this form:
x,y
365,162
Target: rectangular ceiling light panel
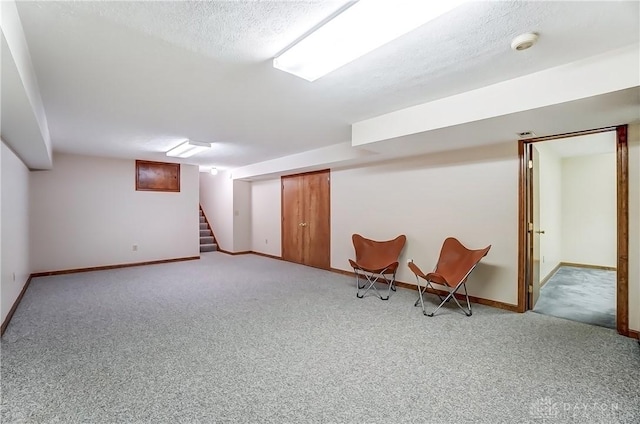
x,y
188,148
361,28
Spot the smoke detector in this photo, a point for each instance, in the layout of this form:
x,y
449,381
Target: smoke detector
x,y
524,41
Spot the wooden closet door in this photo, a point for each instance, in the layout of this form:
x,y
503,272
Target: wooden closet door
x,y
292,217
316,237
305,219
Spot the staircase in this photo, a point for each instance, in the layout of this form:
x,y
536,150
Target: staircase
x,y
207,240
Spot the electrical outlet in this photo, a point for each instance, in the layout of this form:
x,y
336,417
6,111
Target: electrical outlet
x,y
134,247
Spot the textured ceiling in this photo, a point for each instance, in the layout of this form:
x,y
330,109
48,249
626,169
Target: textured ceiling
x,y
130,79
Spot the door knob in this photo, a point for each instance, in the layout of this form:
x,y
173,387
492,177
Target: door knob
x,y
540,231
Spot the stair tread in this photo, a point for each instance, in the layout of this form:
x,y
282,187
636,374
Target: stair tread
x,y
208,247
207,241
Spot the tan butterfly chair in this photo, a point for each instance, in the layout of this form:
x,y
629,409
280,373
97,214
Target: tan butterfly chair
x,y
377,262
454,266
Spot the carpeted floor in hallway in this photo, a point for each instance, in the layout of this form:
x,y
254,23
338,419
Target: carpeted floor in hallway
x,y
580,294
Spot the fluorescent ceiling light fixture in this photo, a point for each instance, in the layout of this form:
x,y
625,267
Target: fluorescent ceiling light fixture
x,y
188,148
361,28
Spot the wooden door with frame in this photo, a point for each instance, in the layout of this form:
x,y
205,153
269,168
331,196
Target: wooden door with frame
x,y
292,219
316,231
306,219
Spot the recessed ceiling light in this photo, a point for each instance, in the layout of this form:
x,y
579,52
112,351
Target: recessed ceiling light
x,y
524,41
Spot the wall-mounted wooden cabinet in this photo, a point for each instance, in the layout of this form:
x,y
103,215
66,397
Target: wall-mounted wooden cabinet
x,y
157,176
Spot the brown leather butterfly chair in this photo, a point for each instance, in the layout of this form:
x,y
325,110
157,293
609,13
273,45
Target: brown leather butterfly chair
x,y
454,266
377,261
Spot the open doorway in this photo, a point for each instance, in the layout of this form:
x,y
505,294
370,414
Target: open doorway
x,y
574,202
573,229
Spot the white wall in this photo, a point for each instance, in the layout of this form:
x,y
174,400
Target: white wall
x,y
634,226
265,217
550,208
216,198
2,308
589,211
86,212
469,194
311,160
14,248
241,216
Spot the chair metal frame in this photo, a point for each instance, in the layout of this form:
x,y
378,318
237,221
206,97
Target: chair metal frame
x,y
372,278
452,287
377,272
